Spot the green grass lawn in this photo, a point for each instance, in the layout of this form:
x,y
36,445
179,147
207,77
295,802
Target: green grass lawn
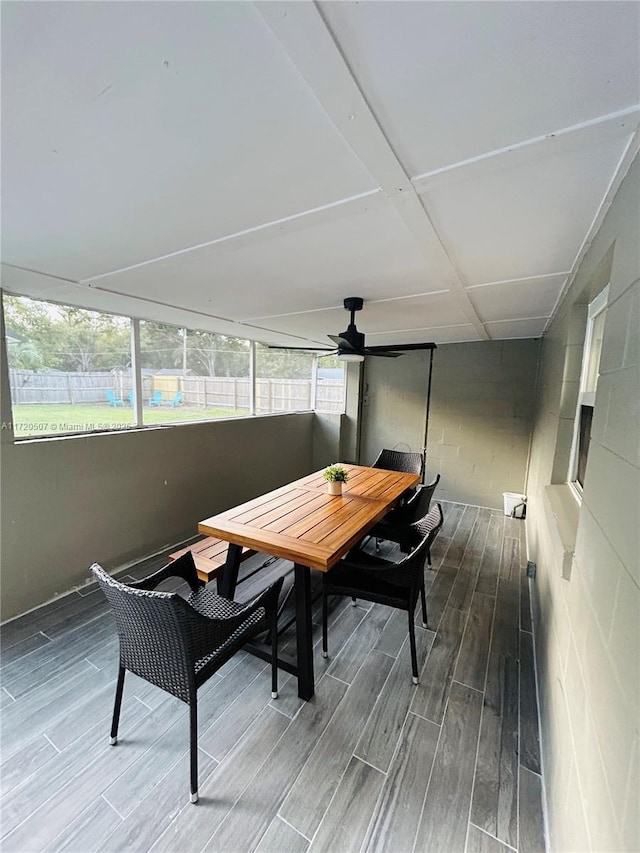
x,y
39,419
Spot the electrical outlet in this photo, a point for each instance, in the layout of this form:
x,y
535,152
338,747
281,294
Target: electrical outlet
x,y
531,569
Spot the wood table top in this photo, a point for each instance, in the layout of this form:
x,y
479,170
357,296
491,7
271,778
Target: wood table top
x,y
303,523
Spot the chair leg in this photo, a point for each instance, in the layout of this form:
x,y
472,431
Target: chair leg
x,y
429,566
423,596
377,545
354,601
113,740
274,661
281,606
325,619
193,733
412,643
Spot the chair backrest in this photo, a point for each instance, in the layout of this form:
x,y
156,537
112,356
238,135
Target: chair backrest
x,y
399,460
429,525
177,398
426,529
153,629
420,505
156,397
111,397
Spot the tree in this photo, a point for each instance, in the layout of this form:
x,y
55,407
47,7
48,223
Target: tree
x,y
283,363
33,324
161,345
212,354
24,355
64,338
93,341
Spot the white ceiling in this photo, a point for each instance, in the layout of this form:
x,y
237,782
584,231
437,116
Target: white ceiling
x,y
243,167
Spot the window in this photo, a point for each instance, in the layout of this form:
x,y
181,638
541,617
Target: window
x,y
69,368
191,375
588,384
71,371
330,393
289,380
283,380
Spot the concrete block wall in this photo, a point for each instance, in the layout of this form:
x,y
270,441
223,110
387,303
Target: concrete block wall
x,y
587,624
482,404
481,415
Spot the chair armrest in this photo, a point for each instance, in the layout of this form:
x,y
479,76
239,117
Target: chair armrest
x,y
413,498
407,567
184,567
363,562
210,632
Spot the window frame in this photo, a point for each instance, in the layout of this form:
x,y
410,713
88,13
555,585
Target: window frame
x,y
596,308
136,371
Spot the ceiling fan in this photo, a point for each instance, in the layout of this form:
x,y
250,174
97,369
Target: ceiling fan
x,y
350,345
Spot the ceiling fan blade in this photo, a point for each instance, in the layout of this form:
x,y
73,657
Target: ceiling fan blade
x,y
342,343
305,349
381,353
402,347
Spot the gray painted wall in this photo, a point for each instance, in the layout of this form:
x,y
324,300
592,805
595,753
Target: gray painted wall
x,y
394,404
326,440
482,404
587,588
115,497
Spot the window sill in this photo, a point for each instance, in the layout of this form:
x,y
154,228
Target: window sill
x,y
563,512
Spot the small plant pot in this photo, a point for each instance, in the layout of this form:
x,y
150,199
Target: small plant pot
x,y
334,487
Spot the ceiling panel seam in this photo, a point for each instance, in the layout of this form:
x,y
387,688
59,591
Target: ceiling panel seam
x,y
286,224
627,158
598,126
308,40
519,280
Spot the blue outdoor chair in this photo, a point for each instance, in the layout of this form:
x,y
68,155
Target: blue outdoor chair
x,y
130,398
113,400
156,398
176,400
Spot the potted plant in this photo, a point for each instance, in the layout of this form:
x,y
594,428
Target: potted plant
x,y
335,475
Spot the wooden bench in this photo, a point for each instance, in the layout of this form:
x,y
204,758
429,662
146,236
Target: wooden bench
x,y
209,555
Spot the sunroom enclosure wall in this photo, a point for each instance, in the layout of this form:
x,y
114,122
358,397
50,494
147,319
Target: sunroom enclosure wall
x,y
587,589
119,496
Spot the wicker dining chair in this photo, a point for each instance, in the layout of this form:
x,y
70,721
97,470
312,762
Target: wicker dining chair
x,y
177,643
399,460
395,526
396,584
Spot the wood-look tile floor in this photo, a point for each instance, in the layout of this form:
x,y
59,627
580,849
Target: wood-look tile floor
x,y
372,763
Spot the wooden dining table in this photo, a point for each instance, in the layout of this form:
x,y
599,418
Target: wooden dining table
x,y
301,522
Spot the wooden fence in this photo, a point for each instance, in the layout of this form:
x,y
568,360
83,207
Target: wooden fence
x,y
272,395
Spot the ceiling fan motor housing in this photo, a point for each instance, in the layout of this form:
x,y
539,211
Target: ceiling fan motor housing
x,y
353,337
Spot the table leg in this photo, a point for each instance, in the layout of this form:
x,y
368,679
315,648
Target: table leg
x,y
303,631
229,576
